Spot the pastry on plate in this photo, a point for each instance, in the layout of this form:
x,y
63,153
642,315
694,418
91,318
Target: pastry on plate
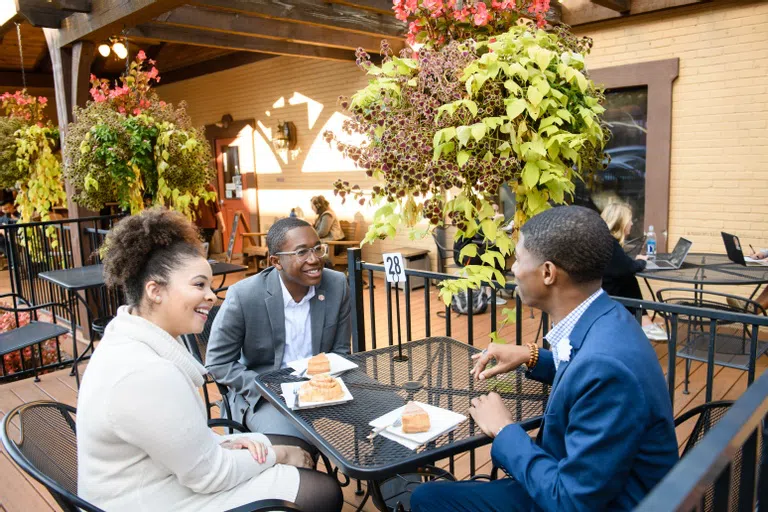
x,y
321,388
318,364
415,419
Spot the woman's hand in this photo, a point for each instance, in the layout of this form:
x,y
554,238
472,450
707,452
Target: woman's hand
x,y
258,450
760,255
293,456
643,257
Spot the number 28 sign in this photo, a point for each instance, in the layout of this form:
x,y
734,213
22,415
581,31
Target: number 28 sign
x,y
394,267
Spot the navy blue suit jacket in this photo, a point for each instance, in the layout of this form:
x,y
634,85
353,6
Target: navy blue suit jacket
x,y
608,435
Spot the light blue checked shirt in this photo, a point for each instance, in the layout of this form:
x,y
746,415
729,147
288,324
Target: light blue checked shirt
x,y
558,336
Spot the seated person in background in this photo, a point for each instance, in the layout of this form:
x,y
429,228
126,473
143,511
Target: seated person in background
x,y
143,439
293,309
761,299
208,217
619,277
608,435
326,224
8,216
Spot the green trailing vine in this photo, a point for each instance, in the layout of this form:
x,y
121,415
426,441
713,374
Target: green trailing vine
x,y
448,126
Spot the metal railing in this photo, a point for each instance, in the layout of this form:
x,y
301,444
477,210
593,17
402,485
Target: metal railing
x,y
707,468
675,315
36,247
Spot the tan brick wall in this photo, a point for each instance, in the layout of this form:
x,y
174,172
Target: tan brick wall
x,y
254,91
719,168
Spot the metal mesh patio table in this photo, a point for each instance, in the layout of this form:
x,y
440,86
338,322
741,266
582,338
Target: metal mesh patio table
x,y
437,373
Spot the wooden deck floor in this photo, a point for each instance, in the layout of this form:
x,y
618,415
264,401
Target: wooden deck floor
x,y
18,493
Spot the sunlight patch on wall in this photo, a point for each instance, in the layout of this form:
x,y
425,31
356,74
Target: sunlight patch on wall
x,y
324,158
314,108
279,103
266,160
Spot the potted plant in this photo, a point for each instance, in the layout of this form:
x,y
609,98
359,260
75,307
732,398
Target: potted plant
x,y
127,146
487,100
29,156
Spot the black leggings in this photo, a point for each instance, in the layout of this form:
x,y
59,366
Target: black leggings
x,y
318,492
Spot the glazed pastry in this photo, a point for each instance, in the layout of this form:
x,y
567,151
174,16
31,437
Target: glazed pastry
x,y
415,419
321,388
318,364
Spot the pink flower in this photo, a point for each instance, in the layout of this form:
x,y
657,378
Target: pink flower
x,y
482,16
43,100
121,110
152,73
433,5
136,111
141,56
462,14
162,103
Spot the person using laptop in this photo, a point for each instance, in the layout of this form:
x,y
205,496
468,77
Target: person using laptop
x,y
619,276
761,299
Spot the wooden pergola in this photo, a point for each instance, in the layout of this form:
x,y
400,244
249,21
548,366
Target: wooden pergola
x,y
189,38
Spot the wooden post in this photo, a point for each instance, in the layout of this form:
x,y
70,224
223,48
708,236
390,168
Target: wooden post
x,y
71,74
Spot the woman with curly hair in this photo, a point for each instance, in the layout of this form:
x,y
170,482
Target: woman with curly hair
x,y
143,439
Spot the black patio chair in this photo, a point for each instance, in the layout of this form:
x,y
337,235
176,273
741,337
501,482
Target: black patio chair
x,y
34,333
197,344
732,340
706,416
46,449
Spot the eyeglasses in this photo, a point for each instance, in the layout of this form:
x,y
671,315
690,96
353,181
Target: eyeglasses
x,y
319,250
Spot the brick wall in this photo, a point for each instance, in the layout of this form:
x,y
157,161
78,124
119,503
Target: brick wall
x,y
719,168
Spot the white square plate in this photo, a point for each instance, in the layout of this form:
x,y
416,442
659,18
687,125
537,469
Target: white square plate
x,y
440,422
339,365
287,388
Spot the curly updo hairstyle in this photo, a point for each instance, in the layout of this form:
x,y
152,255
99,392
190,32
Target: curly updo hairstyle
x,y
148,247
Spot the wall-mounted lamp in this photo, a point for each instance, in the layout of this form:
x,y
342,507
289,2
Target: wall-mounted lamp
x,y
285,138
116,45
226,120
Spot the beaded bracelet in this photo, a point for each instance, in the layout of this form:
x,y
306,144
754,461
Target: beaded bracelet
x,y
534,356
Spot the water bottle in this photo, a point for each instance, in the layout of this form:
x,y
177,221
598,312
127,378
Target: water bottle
x,y
650,244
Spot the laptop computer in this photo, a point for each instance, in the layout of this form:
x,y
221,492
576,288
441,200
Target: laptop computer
x,y
675,258
736,254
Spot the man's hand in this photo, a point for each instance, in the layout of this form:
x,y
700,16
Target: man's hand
x,y
490,414
508,357
643,257
258,450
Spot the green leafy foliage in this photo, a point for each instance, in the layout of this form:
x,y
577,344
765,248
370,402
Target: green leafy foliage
x,y
447,127
129,147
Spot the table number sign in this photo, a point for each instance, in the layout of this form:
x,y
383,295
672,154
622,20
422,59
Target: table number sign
x,y
394,267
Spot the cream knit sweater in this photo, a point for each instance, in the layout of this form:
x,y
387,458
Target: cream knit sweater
x,y
143,441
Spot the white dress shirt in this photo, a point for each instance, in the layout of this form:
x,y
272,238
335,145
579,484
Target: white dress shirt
x,y
560,332
298,326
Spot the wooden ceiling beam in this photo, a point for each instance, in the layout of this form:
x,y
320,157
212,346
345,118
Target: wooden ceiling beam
x,y
231,23
152,32
380,6
620,6
109,17
314,13
13,79
582,12
229,61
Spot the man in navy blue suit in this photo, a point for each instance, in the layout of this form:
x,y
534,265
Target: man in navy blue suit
x,y
608,434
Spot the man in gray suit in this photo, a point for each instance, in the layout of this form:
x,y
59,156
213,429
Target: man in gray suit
x,y
294,309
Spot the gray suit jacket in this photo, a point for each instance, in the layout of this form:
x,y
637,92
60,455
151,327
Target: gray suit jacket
x,y
248,333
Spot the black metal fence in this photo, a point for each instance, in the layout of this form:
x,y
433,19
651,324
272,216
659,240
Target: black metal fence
x,y
728,469
37,247
679,319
